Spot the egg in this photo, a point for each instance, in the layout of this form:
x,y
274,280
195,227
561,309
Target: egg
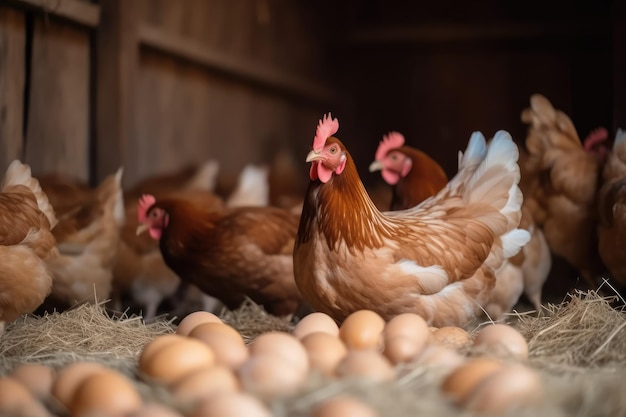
x,y
232,404
192,320
282,344
402,349
108,392
154,410
36,377
71,377
204,382
174,360
316,322
17,400
502,338
366,364
229,351
215,328
362,330
324,350
408,325
156,344
462,380
437,355
452,336
343,406
268,375
513,386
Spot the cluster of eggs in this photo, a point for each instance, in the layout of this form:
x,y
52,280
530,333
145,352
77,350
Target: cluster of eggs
x,y
208,370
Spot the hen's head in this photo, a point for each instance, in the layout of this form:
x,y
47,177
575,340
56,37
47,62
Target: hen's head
x,y
595,143
328,156
151,218
393,163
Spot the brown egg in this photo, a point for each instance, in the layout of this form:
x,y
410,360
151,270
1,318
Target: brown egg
x,y
174,360
367,364
462,380
281,344
511,387
156,344
215,328
502,338
229,350
36,377
109,393
362,330
232,404
325,351
343,406
204,382
17,400
268,375
155,410
192,320
440,356
402,349
71,377
452,336
316,322
408,325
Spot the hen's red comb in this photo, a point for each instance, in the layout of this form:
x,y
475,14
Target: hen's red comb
x,y
325,128
596,136
145,202
392,140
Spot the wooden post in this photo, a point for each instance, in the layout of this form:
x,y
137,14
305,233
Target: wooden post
x,y
117,61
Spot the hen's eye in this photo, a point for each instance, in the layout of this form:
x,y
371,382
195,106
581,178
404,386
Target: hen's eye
x,y
394,157
153,214
332,149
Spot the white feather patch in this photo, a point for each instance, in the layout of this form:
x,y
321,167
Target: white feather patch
x,y
432,278
513,241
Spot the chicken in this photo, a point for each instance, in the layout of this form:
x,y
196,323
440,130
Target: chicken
x,y
140,272
26,243
560,178
436,259
612,211
252,188
414,175
87,236
237,253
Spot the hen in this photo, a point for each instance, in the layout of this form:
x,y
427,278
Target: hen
x,y
612,211
436,259
87,236
26,243
560,177
141,277
236,253
414,175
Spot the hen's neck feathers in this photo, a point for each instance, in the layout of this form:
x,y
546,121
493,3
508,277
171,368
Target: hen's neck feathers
x,y
186,217
343,212
426,178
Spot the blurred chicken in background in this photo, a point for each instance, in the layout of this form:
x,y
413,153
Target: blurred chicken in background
x,y
26,243
87,237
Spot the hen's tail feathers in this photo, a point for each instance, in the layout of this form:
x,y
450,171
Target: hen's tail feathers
x,y
20,174
252,188
110,193
620,138
205,178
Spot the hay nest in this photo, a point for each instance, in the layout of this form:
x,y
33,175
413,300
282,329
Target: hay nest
x,y
585,331
84,333
251,320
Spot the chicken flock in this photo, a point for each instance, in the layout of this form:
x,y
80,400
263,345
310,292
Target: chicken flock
x,y
450,249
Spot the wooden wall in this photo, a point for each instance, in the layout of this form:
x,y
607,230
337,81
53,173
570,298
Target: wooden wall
x,y
155,84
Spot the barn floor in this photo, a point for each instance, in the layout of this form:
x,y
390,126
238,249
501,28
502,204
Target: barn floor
x,y
578,346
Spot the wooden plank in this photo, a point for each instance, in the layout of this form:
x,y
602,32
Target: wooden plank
x,y
117,62
58,115
12,77
619,65
429,33
250,71
81,12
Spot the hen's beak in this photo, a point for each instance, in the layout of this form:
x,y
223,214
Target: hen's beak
x,y
313,156
376,166
142,228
